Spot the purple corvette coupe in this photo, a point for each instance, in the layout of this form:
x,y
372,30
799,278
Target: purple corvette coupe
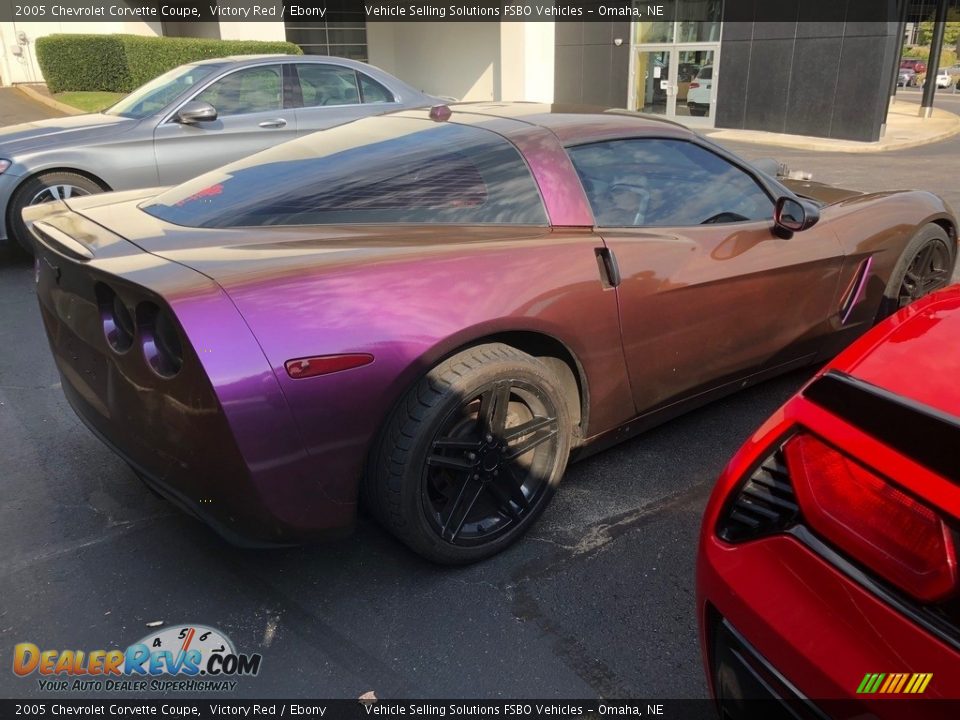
x,y
433,310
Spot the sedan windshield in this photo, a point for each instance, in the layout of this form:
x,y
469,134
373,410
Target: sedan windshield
x,y
160,92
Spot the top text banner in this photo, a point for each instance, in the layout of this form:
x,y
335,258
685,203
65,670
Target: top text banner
x,y
351,11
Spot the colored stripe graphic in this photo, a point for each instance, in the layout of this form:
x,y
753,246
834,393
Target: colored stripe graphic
x,y
894,683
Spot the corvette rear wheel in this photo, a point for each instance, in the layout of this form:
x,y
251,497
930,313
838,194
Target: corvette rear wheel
x,y
46,187
472,455
925,266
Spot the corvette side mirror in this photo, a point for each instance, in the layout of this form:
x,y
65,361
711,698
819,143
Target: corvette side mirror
x,y
196,111
792,215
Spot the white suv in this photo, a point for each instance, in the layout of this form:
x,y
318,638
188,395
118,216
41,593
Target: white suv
x,y
699,92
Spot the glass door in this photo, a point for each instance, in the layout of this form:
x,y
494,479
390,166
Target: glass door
x,y
694,96
653,85
676,82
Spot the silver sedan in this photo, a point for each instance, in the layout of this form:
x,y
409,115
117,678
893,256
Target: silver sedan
x,y
192,119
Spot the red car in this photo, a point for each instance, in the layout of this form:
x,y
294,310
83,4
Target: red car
x,y
915,64
827,569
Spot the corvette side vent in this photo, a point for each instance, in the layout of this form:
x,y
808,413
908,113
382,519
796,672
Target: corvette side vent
x,y
766,503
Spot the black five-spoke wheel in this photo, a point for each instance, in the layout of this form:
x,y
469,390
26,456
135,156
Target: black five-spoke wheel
x,y
929,270
472,455
489,464
925,265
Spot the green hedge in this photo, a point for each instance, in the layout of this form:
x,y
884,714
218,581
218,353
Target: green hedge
x,y
121,63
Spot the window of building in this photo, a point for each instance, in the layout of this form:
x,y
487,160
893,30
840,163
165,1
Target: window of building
x,y
342,32
666,183
685,21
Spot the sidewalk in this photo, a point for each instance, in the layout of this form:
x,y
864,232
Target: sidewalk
x,y
38,92
905,129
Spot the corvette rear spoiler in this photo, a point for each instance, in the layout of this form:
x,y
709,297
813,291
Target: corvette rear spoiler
x,y
61,242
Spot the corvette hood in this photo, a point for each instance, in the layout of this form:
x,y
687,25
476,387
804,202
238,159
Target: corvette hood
x,y
821,192
73,130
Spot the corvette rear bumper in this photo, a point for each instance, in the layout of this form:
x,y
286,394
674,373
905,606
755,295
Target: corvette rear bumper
x,y
217,438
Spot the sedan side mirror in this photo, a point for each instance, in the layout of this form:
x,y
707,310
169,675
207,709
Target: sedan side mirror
x,y
196,111
793,215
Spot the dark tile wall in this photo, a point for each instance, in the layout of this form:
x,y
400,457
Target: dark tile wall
x,y
588,67
815,76
819,74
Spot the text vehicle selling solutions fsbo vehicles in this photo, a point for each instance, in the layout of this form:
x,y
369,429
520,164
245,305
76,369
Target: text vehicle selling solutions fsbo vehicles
x,y
434,310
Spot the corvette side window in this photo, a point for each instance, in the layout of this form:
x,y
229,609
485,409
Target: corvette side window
x,y
665,183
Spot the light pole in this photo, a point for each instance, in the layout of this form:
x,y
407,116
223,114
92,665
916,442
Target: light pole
x,y
933,64
901,27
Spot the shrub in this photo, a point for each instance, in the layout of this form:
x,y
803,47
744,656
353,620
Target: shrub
x,y
83,62
121,63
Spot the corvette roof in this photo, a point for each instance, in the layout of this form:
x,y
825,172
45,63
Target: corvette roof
x,y
570,123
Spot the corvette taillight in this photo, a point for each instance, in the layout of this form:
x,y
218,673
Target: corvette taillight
x,y
160,338
851,506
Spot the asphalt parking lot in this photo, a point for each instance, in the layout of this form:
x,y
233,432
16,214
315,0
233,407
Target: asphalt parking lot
x,y
597,600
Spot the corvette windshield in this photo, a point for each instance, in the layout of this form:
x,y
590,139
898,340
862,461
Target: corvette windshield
x,y
378,170
160,92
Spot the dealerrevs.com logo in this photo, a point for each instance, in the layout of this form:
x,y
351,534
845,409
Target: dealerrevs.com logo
x,y
187,658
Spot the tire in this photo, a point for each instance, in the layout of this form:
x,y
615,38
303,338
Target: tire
x,y
912,276
44,188
446,476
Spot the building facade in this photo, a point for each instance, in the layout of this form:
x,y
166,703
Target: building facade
x,y
710,64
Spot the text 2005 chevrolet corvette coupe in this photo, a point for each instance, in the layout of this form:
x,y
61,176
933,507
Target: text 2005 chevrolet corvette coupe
x,y
433,309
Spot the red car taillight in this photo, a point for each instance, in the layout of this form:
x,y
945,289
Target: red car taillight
x,y
694,85
900,539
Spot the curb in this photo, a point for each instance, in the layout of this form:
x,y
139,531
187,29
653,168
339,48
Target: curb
x,y
48,101
799,142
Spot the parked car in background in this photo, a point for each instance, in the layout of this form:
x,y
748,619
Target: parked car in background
x,y
189,120
916,64
943,79
907,78
435,308
827,566
700,92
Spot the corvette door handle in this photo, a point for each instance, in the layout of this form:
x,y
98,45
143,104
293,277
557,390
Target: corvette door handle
x,y
275,123
607,264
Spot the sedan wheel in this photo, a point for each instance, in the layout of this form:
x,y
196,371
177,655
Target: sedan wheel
x,y
925,266
472,456
48,187
58,192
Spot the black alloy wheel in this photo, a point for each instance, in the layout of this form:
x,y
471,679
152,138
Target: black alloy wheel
x,y
925,265
490,462
472,455
929,270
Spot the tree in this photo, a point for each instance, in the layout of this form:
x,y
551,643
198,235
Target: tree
x,y
951,33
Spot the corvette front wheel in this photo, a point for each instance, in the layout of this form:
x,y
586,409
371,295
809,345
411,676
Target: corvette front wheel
x,y
472,455
926,265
